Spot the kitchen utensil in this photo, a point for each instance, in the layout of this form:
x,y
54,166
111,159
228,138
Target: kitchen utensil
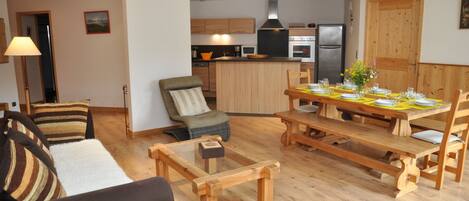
x,y
319,90
350,96
379,91
206,56
425,102
313,85
385,102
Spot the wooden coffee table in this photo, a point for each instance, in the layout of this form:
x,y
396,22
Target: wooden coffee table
x,y
210,176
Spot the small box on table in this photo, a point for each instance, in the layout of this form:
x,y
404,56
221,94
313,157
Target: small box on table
x,y
211,149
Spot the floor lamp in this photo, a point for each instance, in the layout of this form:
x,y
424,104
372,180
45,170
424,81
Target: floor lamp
x,y
23,46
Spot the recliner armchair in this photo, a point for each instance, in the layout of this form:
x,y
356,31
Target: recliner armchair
x,y
213,122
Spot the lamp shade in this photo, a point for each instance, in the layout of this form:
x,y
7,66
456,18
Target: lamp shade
x,y
22,46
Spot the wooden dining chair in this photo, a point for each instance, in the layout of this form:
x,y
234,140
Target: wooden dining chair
x,y
453,143
293,77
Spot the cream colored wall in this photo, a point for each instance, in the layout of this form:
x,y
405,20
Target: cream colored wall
x,y
158,48
352,21
33,67
442,40
87,66
8,88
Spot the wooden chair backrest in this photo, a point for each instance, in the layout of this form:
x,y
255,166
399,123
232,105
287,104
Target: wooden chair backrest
x,y
293,76
457,113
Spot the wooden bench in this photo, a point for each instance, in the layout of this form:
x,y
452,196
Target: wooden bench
x,y
408,149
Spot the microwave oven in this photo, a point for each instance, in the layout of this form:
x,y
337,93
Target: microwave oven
x,y
246,50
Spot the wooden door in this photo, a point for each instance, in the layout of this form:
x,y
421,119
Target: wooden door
x,y
393,41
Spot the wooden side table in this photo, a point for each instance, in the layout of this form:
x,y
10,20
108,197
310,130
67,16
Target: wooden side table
x,y
210,176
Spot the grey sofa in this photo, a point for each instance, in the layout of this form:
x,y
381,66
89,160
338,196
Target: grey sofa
x,y
213,122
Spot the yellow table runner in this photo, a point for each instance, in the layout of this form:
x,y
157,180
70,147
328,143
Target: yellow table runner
x,y
405,105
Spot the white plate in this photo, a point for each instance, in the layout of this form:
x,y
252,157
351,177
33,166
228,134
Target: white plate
x,y
425,102
349,86
318,90
380,91
313,85
349,96
385,102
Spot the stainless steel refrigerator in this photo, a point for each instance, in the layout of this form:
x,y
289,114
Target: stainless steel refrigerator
x,y
330,52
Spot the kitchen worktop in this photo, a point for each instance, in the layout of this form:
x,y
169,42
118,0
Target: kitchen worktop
x,y
244,59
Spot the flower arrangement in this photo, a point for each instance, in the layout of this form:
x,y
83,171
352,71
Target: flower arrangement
x,y
360,74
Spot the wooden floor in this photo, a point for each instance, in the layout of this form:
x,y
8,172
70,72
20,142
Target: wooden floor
x,y
304,175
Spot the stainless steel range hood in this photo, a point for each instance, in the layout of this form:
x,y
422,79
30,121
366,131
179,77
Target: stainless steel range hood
x,y
272,23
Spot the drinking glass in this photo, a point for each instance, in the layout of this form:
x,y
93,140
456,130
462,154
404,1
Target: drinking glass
x,y
326,82
410,92
347,82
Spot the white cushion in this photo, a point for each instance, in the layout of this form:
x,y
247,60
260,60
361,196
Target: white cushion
x,y
189,102
433,136
86,166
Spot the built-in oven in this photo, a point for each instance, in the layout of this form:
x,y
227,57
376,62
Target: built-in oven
x,y
302,47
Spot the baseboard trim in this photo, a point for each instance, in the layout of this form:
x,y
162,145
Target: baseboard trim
x,y
154,131
107,109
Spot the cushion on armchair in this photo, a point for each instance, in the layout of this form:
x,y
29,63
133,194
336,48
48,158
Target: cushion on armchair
x,y
211,118
62,122
189,102
24,177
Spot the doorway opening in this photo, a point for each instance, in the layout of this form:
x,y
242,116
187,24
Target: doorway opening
x,y
39,75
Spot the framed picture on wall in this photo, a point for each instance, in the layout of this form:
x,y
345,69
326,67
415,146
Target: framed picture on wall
x,y
97,22
464,14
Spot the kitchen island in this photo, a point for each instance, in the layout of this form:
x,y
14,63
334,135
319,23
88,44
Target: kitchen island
x,y
253,86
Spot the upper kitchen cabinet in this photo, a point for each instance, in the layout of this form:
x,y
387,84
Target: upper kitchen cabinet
x,y
243,26
216,26
197,26
223,26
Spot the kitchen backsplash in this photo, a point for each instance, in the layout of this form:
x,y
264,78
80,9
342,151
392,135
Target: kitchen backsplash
x,y
218,50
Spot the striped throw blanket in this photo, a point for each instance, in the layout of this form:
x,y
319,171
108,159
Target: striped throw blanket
x,y
61,122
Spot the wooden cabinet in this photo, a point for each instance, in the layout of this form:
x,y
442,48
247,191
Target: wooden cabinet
x,y
217,26
223,26
242,26
213,76
197,26
203,73
302,32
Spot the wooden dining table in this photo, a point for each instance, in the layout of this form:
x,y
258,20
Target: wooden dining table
x,y
399,117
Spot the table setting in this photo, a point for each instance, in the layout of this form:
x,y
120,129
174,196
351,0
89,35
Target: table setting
x,y
354,89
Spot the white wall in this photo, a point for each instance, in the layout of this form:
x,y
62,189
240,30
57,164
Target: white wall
x,y
87,66
290,11
158,34
8,88
442,40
